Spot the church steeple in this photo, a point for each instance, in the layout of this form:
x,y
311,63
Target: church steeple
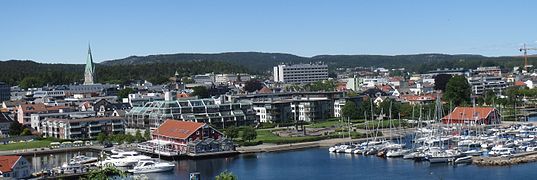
x,y
89,73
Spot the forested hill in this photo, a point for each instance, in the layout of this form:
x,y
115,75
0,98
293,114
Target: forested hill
x,y
251,60
32,74
157,68
261,62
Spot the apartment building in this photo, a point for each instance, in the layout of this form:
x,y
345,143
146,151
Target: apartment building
x,y
82,128
300,73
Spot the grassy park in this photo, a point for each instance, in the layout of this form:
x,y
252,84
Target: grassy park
x,y
25,145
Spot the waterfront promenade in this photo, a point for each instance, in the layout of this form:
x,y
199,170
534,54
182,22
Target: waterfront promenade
x,y
40,151
320,143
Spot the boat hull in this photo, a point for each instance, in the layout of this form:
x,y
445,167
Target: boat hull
x,y
160,169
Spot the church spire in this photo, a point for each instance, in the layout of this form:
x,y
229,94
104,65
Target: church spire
x,y
89,73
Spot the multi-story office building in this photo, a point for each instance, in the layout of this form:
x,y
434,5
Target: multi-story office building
x,y
300,73
83,128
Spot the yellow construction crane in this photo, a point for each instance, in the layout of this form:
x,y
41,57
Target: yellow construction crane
x,y
525,50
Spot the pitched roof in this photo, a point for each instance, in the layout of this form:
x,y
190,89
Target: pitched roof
x,y
7,163
520,83
467,113
265,90
178,129
5,118
40,107
419,98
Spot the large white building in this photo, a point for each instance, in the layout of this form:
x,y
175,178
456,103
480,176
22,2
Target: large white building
x,y
300,73
484,83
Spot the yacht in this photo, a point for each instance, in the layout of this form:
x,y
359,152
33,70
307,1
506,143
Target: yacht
x,y
125,158
463,160
151,166
397,153
501,151
70,168
81,159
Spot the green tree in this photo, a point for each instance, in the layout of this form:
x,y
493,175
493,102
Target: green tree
x,y
226,175
253,85
232,132
15,128
101,137
129,138
458,90
388,104
440,81
26,132
350,110
124,93
147,134
325,85
31,82
106,173
490,97
365,108
249,134
352,94
138,136
200,91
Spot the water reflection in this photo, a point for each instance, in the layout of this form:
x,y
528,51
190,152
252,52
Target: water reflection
x,y
43,162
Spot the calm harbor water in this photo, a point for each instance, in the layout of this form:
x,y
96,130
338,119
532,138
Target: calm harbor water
x,y
317,163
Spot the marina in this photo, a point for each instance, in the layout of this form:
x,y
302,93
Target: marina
x,y
268,165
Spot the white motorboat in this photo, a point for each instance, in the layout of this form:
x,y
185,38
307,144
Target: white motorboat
x,y
126,158
397,153
70,168
342,148
501,151
333,148
151,166
463,160
81,159
472,152
442,156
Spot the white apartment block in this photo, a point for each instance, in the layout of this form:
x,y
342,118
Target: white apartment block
x,y
338,107
484,83
300,73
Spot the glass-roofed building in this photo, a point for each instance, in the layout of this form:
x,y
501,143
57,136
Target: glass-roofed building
x,y
209,110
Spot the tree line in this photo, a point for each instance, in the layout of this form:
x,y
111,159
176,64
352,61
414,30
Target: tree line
x,y
31,74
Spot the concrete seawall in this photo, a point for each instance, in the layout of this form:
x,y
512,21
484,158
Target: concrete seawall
x,y
506,161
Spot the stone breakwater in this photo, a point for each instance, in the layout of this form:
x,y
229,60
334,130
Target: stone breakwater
x,y
506,161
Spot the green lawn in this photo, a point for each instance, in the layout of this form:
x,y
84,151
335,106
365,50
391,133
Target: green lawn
x,y
383,124
25,145
332,123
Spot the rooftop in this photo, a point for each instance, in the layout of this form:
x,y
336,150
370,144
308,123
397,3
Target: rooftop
x,y
7,163
178,129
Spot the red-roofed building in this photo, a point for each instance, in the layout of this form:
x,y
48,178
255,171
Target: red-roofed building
x,y
264,90
14,167
471,115
24,111
520,83
176,135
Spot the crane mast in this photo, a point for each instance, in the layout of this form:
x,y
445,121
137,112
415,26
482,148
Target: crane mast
x,y
525,50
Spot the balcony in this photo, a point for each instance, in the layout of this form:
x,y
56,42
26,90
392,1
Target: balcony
x,y
77,126
76,132
95,131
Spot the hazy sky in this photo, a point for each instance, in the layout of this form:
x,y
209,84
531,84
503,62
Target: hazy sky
x,y
59,31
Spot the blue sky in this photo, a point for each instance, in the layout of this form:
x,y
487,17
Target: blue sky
x,y
59,31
